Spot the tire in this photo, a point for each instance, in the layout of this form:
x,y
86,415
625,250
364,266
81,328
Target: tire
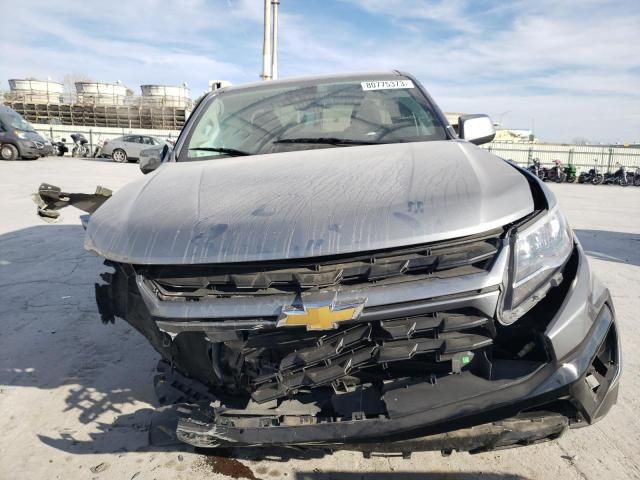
x,y
636,181
119,156
8,152
598,179
60,153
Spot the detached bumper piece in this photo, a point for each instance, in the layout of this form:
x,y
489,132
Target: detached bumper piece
x,y
50,199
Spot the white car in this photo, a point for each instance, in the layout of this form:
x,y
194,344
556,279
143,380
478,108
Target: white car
x,y
128,147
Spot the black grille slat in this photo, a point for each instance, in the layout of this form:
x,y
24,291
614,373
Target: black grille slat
x,y
326,348
456,321
407,327
407,349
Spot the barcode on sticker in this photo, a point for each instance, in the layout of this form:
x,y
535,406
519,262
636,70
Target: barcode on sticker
x,y
386,84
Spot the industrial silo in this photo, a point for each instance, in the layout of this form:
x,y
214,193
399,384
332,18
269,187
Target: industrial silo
x,y
165,96
96,93
35,91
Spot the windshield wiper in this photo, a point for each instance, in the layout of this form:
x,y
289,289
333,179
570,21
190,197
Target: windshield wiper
x,y
229,151
328,140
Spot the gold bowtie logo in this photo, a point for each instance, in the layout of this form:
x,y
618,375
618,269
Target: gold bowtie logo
x,y
319,317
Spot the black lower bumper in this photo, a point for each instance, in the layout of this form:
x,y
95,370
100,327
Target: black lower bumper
x,y
578,390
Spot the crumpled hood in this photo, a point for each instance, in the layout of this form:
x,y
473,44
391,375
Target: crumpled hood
x,y
308,203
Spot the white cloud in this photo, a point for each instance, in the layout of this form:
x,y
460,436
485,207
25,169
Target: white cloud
x,y
555,61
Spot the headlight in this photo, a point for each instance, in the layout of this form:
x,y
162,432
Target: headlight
x,y
20,134
539,252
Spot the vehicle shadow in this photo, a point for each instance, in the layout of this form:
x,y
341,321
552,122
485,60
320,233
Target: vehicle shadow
x,y
101,375
618,247
52,339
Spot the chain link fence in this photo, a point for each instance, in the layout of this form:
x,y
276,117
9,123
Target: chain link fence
x,y
606,157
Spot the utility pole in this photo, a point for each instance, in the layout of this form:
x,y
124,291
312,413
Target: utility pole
x,y
266,43
274,51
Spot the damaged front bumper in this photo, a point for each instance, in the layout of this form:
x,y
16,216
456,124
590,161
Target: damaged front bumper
x,y
435,417
568,379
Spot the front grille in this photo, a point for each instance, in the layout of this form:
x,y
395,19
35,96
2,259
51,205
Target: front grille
x,y
287,361
446,259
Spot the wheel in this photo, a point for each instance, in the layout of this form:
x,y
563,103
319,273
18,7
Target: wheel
x,y
60,153
560,178
8,152
119,155
623,183
598,179
571,179
636,181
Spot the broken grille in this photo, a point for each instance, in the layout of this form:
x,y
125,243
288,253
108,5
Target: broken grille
x,y
279,363
464,257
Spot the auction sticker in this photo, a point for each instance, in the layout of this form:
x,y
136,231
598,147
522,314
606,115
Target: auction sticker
x,y
386,84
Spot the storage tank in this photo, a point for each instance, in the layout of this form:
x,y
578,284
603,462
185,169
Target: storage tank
x,y
96,93
35,91
165,96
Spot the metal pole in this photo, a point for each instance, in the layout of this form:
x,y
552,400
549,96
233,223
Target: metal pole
x,y
266,43
274,49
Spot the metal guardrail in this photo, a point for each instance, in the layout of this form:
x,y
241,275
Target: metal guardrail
x,y
583,157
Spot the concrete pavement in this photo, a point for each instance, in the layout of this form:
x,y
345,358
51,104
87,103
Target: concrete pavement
x,y
75,395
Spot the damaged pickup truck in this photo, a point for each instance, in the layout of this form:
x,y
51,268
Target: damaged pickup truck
x,y
340,268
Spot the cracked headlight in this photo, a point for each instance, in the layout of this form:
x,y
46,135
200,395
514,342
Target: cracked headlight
x,y
539,252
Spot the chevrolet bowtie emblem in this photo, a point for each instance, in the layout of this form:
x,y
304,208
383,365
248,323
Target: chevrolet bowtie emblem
x,y
319,316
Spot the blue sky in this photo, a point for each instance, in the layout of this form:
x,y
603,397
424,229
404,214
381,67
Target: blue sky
x,y
571,68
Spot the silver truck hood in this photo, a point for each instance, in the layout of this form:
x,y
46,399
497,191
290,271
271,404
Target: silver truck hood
x,y
308,203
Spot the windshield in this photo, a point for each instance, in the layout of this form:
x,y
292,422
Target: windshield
x,y
323,115
13,120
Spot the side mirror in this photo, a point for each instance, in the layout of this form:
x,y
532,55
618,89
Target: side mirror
x,y
477,129
151,158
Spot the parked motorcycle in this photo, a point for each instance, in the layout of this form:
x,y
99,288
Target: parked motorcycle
x,y
537,169
97,152
636,177
619,177
570,173
60,148
592,176
81,146
556,173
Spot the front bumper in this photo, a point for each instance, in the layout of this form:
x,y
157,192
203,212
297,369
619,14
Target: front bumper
x,y
34,149
522,412
577,388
